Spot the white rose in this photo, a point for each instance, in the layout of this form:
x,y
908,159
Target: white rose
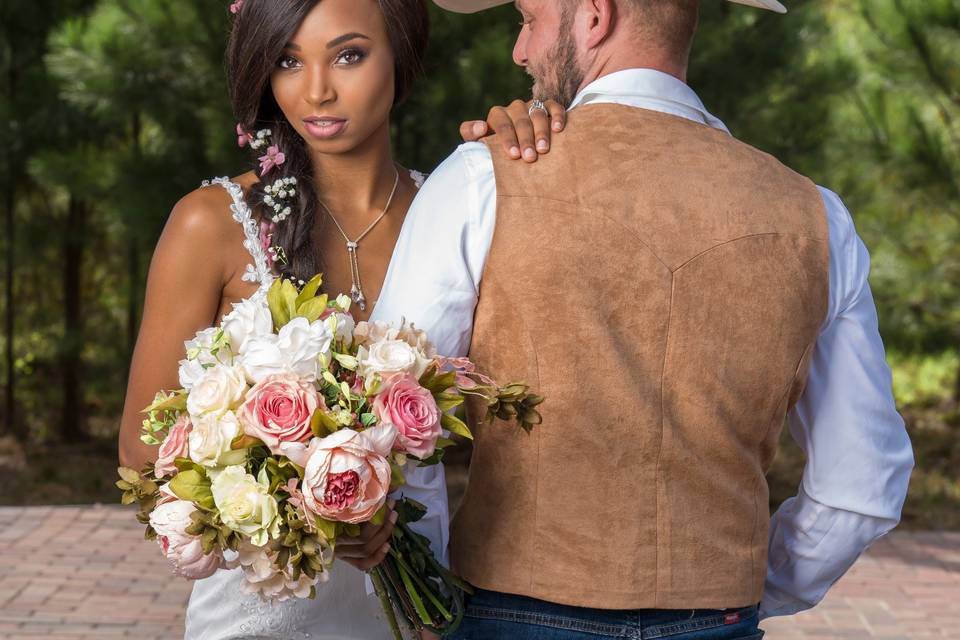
x,y
200,352
190,371
296,349
246,505
342,325
390,357
248,318
210,440
220,389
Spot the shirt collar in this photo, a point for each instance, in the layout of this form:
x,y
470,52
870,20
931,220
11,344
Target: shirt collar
x,y
648,89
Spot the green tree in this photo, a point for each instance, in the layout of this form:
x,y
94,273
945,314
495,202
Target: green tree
x,y
902,120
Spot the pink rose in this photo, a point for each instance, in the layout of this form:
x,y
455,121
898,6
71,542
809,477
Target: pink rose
x,y
279,409
412,410
170,520
346,475
174,446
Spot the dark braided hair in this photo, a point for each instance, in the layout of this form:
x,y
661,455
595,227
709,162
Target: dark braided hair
x,y
260,34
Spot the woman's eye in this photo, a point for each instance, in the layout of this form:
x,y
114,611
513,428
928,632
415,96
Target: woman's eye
x,y
350,57
289,62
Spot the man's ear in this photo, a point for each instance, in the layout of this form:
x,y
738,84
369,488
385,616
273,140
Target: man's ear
x,y
600,17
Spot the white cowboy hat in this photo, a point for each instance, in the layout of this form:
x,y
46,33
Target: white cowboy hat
x,y
472,6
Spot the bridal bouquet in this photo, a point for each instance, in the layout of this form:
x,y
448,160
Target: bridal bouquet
x,y
293,425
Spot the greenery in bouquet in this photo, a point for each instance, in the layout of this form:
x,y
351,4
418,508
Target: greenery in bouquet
x,y
293,425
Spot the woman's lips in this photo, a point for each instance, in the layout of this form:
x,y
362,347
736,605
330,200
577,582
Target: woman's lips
x,y
325,128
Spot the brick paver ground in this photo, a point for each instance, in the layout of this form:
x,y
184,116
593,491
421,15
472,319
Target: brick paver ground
x,y
86,572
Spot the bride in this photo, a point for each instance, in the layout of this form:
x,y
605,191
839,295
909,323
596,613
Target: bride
x,y
313,84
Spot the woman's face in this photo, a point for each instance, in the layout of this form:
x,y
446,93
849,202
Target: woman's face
x,y
334,81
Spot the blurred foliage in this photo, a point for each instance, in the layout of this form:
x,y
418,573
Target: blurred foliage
x,y
110,110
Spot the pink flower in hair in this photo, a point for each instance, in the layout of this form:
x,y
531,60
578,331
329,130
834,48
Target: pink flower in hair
x,y
236,6
243,138
274,158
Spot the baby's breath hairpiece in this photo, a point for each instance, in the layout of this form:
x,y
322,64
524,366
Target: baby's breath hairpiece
x,y
278,196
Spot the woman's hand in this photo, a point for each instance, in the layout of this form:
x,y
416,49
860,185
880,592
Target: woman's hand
x,y
524,133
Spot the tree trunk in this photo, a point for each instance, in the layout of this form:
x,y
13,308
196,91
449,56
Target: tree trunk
x,y
10,419
133,259
71,424
9,406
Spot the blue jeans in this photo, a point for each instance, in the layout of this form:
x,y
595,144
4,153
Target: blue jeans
x,y
500,616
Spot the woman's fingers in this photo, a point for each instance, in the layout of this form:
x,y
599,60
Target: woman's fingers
x,y
558,115
473,130
500,121
523,132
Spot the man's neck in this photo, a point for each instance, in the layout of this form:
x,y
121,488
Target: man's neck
x,y
612,64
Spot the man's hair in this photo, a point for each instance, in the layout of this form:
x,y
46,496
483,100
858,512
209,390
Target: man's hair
x,y
665,23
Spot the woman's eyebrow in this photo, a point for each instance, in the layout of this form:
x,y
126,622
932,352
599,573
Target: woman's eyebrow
x,y
345,38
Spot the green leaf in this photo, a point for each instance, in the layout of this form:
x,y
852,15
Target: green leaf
x,y
368,419
322,424
289,297
277,304
186,464
327,529
129,475
409,511
312,309
397,479
128,498
309,290
244,441
434,459
194,487
350,530
443,443
380,516
447,401
440,383
455,425
175,402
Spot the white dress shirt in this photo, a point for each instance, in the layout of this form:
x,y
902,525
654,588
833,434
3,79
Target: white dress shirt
x,y
859,457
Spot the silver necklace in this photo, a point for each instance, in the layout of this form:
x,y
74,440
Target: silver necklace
x,y
356,291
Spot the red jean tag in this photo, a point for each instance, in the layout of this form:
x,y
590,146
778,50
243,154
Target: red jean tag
x,y
731,618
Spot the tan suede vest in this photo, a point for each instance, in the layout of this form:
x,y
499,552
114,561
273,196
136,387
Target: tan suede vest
x,y
662,284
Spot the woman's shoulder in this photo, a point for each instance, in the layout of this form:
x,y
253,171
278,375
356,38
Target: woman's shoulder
x,y
207,211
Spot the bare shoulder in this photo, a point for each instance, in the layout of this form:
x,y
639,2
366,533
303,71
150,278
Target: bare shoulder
x,y
204,214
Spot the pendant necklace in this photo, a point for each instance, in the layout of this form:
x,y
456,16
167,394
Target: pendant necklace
x,y
356,291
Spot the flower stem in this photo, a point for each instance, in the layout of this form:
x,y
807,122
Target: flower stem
x,y
412,591
381,590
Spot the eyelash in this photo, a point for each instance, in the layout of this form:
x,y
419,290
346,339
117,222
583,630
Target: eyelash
x,y
359,55
284,59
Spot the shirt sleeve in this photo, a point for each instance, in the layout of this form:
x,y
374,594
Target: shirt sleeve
x,y
859,456
433,281
434,277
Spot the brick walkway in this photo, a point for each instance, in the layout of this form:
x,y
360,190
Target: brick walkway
x,y
86,572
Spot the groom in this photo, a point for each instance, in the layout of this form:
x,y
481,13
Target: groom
x,y
675,295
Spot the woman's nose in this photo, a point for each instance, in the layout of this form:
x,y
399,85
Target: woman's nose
x,y
320,89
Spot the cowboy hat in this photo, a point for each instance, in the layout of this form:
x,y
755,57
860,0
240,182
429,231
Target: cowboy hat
x,y
472,6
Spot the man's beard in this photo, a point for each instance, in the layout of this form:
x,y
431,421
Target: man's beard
x,y
560,76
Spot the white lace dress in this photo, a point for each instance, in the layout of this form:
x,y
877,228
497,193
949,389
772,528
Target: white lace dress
x,y
219,609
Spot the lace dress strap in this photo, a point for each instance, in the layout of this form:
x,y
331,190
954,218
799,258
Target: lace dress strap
x,y
418,178
260,271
